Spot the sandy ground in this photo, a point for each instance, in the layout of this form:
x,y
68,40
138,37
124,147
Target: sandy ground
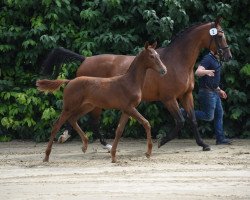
x,y
178,170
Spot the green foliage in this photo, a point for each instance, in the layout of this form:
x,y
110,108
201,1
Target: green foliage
x,y
109,121
5,138
29,29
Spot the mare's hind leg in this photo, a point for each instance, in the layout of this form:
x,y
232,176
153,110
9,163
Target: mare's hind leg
x,y
187,103
134,113
73,121
118,133
59,122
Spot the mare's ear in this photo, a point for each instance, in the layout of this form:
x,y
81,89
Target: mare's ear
x,y
146,45
218,20
154,45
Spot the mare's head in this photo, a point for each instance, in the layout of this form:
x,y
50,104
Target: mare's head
x,y
218,43
151,59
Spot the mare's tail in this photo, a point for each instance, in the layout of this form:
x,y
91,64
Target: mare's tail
x,y
56,58
50,85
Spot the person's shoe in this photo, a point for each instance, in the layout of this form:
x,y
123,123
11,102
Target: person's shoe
x,y
224,141
64,137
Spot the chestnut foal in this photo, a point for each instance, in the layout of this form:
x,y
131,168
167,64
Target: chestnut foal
x,y
124,92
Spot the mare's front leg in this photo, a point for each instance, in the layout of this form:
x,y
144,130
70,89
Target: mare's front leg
x,y
174,110
134,113
187,103
95,124
63,117
118,133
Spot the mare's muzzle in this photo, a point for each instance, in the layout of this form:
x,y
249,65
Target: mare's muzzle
x,y
163,72
225,54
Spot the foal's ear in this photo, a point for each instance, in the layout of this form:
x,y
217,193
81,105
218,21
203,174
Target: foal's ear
x,y
146,45
218,20
154,45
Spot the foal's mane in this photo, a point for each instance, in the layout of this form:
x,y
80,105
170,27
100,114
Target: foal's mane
x,y
183,32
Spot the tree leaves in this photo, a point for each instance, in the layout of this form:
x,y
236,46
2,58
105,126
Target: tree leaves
x,y
30,29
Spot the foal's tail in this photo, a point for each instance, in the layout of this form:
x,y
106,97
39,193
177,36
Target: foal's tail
x,y
56,58
50,85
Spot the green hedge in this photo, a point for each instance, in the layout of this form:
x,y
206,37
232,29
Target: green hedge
x,y
29,29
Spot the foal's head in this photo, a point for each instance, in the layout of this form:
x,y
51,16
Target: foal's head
x,y
152,59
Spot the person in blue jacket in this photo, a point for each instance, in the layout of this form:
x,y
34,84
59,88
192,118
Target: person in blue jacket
x,y
210,94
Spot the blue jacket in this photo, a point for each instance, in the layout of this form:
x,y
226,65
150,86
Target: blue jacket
x,y
210,62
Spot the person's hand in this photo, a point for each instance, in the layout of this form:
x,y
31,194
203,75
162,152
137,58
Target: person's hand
x,y
210,72
222,94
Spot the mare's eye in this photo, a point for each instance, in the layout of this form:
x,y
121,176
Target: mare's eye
x,y
151,56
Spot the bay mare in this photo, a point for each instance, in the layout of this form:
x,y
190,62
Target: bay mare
x,y
176,86
123,92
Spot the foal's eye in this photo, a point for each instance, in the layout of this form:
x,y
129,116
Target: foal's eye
x,y
151,56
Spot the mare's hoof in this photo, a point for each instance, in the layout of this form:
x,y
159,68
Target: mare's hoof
x,y
45,160
161,142
206,148
147,155
113,160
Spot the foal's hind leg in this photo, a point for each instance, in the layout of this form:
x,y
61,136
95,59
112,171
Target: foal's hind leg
x,y
59,122
73,121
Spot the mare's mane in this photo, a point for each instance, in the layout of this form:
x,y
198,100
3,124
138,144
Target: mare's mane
x,y
186,30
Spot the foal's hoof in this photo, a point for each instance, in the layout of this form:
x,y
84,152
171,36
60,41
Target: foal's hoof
x,y
84,149
206,148
113,160
45,160
147,155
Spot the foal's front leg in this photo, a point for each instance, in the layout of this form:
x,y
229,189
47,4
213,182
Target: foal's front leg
x,y
134,113
118,133
84,138
73,121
